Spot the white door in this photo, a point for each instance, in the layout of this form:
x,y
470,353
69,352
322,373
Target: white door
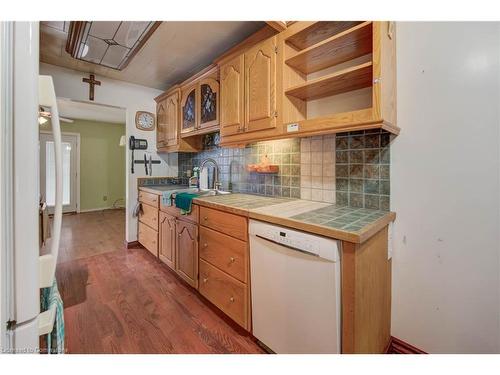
x,y
47,171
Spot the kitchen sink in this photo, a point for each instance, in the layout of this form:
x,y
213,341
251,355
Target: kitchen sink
x,y
212,192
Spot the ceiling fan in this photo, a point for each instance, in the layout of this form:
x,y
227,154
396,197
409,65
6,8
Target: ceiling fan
x,y
43,115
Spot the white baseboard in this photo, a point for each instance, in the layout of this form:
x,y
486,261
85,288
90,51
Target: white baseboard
x,y
97,209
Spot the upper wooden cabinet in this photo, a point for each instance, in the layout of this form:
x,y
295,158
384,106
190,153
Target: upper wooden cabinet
x,y
209,103
338,76
168,125
248,94
260,86
312,78
189,109
167,119
232,83
200,103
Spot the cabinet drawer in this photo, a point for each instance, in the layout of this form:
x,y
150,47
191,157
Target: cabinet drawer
x,y
148,238
149,216
230,224
227,253
174,211
149,198
225,292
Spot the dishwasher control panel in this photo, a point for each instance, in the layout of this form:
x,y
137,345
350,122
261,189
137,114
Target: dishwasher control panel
x,y
306,242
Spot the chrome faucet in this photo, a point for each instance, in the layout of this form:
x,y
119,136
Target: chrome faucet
x,y
217,183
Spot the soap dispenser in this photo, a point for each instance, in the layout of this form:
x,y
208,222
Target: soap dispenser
x,y
195,179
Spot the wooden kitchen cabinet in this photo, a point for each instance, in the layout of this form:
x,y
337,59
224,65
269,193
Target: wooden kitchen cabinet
x,y
186,252
232,88
166,250
338,77
260,86
248,94
224,263
168,124
189,105
200,103
209,103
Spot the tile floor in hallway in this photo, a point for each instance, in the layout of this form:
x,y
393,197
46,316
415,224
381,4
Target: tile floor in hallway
x,y
119,300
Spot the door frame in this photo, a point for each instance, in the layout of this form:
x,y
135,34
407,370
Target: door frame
x,y
77,161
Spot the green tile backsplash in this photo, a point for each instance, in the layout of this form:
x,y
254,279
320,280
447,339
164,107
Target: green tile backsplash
x,y
350,169
363,169
233,162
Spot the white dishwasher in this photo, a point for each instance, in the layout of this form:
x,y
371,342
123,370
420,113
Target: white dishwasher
x,y
295,278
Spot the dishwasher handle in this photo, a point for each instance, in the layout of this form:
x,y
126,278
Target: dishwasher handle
x,y
287,246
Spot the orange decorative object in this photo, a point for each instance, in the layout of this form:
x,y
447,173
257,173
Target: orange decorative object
x,y
263,167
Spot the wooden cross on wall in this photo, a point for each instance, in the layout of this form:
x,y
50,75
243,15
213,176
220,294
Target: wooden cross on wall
x,y
92,82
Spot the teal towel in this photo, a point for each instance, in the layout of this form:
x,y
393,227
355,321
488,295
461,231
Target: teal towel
x,y
55,339
166,197
184,201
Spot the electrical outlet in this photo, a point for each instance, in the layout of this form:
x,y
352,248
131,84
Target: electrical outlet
x,y
104,198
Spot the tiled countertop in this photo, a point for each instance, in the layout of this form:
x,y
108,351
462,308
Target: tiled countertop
x,y
159,189
340,222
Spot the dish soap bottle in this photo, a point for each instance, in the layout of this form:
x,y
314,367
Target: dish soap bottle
x,y
194,180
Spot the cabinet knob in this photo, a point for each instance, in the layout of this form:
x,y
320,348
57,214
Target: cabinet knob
x,y
232,259
205,218
179,234
231,299
205,245
205,280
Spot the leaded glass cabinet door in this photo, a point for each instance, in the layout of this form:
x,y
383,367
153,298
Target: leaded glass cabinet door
x,y
209,102
189,110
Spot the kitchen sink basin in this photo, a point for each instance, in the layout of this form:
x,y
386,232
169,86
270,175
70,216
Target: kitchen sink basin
x,y
212,192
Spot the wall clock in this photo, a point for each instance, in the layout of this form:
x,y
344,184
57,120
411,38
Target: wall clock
x,y
144,120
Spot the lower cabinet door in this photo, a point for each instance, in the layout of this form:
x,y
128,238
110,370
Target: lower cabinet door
x,y
225,292
166,250
148,238
186,255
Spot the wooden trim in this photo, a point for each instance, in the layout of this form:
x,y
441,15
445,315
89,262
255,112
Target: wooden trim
x,y
167,93
366,295
132,244
201,131
261,34
279,26
397,346
141,44
205,72
75,34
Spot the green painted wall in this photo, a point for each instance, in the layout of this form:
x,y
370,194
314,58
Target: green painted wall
x,y
102,162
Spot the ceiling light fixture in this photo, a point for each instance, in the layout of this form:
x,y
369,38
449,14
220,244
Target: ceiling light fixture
x,y
112,44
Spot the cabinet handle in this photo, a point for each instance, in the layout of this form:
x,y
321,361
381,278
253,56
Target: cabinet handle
x,y
232,259
231,299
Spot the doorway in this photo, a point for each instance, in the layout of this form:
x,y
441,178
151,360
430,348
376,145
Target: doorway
x,y
70,170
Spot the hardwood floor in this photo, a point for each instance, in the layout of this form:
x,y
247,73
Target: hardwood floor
x,y
126,301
